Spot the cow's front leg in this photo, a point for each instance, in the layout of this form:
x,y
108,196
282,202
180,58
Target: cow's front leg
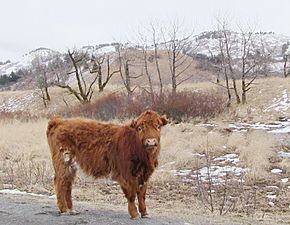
x,y
131,196
141,200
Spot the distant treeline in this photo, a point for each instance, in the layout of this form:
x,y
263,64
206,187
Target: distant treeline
x,y
12,77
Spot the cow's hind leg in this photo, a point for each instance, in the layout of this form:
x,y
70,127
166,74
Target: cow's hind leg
x,y
141,200
60,193
68,197
63,180
63,188
131,196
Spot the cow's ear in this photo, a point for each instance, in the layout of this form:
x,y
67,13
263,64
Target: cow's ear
x,y
164,120
133,124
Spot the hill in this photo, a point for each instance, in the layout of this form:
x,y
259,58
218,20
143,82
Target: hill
x,y
204,49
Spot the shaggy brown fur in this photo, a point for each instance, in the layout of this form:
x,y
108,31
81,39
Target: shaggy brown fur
x,y
129,153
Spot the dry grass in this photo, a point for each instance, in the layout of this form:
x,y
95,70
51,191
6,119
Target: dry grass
x,y
285,165
26,142
23,138
24,155
256,152
179,143
260,97
237,139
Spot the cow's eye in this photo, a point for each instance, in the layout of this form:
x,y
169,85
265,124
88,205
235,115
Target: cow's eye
x,y
158,127
139,129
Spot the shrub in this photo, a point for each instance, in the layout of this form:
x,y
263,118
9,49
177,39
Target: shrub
x,y
185,105
181,106
104,108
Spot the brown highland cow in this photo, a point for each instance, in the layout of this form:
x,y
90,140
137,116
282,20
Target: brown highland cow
x,y
128,153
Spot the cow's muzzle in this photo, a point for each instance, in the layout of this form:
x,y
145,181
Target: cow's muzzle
x,y
150,143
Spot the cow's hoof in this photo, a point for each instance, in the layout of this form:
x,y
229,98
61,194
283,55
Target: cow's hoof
x,y
69,212
145,216
135,217
73,212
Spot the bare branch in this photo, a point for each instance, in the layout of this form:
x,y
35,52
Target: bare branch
x,y
222,85
180,82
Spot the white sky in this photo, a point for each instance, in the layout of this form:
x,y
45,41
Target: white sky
x,y
60,24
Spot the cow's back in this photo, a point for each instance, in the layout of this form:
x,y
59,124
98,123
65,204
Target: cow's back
x,y
87,142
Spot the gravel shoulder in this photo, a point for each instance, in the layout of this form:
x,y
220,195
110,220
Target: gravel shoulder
x,y
22,210
30,210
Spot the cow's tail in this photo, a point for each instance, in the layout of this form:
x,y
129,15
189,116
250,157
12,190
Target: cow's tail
x,y
52,124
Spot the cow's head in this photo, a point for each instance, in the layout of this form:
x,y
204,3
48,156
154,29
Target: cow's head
x,y
148,126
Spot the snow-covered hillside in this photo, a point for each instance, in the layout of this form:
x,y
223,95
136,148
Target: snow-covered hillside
x,y
266,43
206,44
100,49
45,54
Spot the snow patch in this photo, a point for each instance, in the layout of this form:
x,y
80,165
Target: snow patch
x,y
215,173
14,104
284,154
276,170
167,164
183,172
225,165
271,203
281,104
233,158
277,127
17,192
284,130
271,196
285,180
272,187
198,155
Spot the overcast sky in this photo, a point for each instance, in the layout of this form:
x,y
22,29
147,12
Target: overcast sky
x,y
60,24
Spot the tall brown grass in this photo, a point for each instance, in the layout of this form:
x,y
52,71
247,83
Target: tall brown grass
x,y
24,154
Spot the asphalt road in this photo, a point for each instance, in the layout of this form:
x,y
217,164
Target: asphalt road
x,y
28,210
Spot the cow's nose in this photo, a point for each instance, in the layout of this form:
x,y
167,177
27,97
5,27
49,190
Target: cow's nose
x,y
151,142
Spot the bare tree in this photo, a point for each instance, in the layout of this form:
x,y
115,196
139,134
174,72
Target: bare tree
x,y
41,70
263,56
43,85
155,40
124,69
226,42
178,46
144,48
248,62
224,67
84,90
285,53
286,72
98,62
246,65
